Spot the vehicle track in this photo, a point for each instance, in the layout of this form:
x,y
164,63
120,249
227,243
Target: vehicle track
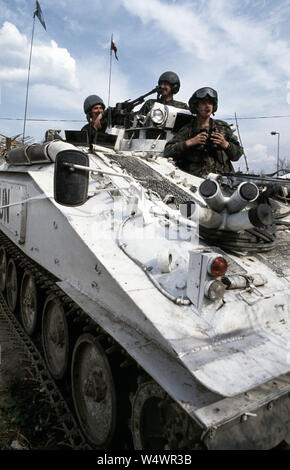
x,y
129,378
58,392
65,418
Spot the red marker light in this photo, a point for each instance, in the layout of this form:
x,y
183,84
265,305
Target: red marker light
x,y
217,266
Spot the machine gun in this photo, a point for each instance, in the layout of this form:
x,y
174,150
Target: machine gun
x,y
129,105
258,180
279,187
120,114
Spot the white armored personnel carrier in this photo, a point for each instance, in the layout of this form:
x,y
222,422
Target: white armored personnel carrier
x,y
162,299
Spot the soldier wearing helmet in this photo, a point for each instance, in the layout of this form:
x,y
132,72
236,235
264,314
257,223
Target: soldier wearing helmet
x,y
169,84
94,108
205,145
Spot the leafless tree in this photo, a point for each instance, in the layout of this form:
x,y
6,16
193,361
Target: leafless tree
x,y
284,164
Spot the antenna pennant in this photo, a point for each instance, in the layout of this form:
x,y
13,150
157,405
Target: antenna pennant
x,y
38,13
114,48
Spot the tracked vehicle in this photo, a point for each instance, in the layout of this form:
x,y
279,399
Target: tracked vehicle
x,y
162,299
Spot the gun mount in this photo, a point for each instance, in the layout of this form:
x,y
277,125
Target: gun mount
x,y
121,114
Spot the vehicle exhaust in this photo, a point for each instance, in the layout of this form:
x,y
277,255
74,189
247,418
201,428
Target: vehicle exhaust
x,y
244,194
211,192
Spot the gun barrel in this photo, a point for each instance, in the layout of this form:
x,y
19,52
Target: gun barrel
x,y
129,105
257,180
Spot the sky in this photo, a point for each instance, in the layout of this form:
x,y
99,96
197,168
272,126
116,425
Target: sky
x,y
240,48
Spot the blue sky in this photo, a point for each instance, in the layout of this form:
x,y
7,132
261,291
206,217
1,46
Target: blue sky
x,y
241,48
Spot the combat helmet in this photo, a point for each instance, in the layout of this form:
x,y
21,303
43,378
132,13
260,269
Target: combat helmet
x,y
91,101
199,95
173,80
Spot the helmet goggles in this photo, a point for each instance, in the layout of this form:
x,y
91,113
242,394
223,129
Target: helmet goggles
x,y
203,92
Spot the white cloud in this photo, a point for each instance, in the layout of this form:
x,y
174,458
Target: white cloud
x,y
220,41
179,21
12,45
92,77
52,64
288,94
58,83
259,157
74,25
259,152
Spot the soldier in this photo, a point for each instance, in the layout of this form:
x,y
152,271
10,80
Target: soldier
x,y
205,145
170,84
94,108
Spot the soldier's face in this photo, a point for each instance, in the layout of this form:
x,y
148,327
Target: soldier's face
x,y
97,109
205,107
166,89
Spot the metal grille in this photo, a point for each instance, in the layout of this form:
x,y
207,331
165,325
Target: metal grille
x,y
151,179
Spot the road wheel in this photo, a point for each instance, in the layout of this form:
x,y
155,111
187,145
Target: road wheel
x,y
3,268
12,285
94,392
55,337
28,303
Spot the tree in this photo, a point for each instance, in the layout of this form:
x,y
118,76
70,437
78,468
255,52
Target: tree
x,y
284,164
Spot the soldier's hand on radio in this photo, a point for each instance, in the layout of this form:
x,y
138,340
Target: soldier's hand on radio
x,y
219,139
199,139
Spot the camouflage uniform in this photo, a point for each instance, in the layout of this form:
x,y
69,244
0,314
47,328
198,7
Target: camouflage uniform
x,y
149,104
202,162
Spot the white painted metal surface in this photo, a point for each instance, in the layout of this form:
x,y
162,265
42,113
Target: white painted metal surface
x,y
198,352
